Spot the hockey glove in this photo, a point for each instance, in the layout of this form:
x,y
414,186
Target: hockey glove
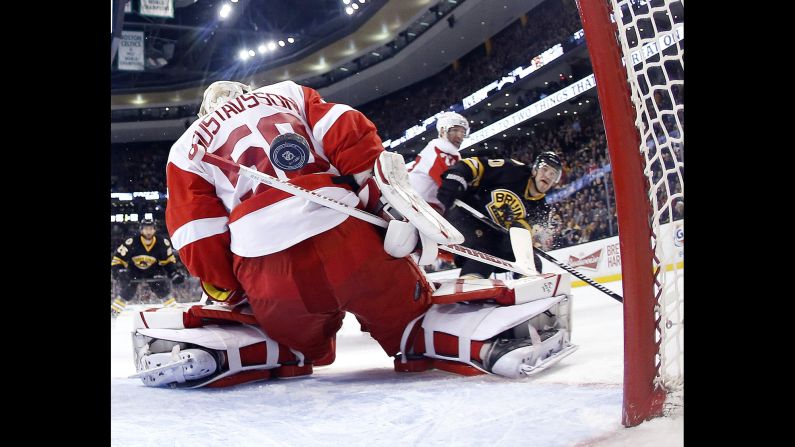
x,y
122,275
217,294
177,278
452,187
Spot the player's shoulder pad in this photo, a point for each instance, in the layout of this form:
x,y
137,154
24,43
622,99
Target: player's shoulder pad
x,y
496,163
516,162
167,242
128,241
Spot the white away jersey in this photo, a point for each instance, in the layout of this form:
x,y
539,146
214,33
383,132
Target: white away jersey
x,y
426,172
212,213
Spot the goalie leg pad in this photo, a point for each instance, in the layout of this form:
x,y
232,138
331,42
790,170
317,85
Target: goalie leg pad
x,y
506,293
515,341
181,316
209,356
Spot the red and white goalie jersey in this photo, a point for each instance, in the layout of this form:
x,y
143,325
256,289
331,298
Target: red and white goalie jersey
x,y
425,173
212,213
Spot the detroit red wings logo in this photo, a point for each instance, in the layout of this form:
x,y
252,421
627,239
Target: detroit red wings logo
x,y
449,159
590,261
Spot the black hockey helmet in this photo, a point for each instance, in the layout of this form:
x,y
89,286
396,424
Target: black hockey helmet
x,y
147,223
551,159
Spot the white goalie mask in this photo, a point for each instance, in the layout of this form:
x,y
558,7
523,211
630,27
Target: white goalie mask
x,y
449,119
220,92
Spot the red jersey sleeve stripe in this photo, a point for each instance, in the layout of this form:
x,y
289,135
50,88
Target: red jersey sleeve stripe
x,y
350,140
197,222
190,198
199,229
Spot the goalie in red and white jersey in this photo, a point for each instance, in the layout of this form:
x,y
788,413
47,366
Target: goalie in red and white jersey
x,y
301,266
425,173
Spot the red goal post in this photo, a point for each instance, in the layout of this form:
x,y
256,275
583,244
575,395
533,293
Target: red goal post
x,y
643,112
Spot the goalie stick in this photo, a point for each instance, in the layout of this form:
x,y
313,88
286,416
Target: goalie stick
x,y
200,154
478,215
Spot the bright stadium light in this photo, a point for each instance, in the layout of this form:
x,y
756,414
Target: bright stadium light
x,y
348,10
281,43
251,53
347,2
225,10
290,40
271,45
355,6
243,54
262,48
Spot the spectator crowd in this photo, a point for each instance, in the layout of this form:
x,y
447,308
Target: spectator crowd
x,y
586,214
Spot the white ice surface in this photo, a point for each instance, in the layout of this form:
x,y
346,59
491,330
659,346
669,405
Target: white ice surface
x,y
360,401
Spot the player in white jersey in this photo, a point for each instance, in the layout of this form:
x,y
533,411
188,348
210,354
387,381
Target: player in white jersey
x,y
425,173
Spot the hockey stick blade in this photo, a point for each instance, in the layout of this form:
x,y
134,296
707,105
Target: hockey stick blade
x,y
522,245
544,254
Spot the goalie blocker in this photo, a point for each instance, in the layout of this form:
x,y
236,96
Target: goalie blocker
x,y
510,328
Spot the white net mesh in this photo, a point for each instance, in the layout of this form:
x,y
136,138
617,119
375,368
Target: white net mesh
x,y
651,34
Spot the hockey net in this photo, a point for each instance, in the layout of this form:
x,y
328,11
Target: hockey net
x,y
644,97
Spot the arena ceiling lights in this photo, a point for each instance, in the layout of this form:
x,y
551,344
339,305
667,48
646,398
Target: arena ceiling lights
x,y
351,6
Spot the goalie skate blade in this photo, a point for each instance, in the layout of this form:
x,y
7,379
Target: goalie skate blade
x,y
189,365
528,370
159,369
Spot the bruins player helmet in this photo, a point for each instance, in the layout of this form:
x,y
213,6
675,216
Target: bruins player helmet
x,y
550,159
147,223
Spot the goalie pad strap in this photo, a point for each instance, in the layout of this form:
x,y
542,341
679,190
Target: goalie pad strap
x,y
404,339
231,347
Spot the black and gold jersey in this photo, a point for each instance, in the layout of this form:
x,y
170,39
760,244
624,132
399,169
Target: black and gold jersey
x,y
500,189
145,259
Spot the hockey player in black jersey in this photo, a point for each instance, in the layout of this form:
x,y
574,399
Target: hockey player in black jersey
x,y
509,192
144,258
